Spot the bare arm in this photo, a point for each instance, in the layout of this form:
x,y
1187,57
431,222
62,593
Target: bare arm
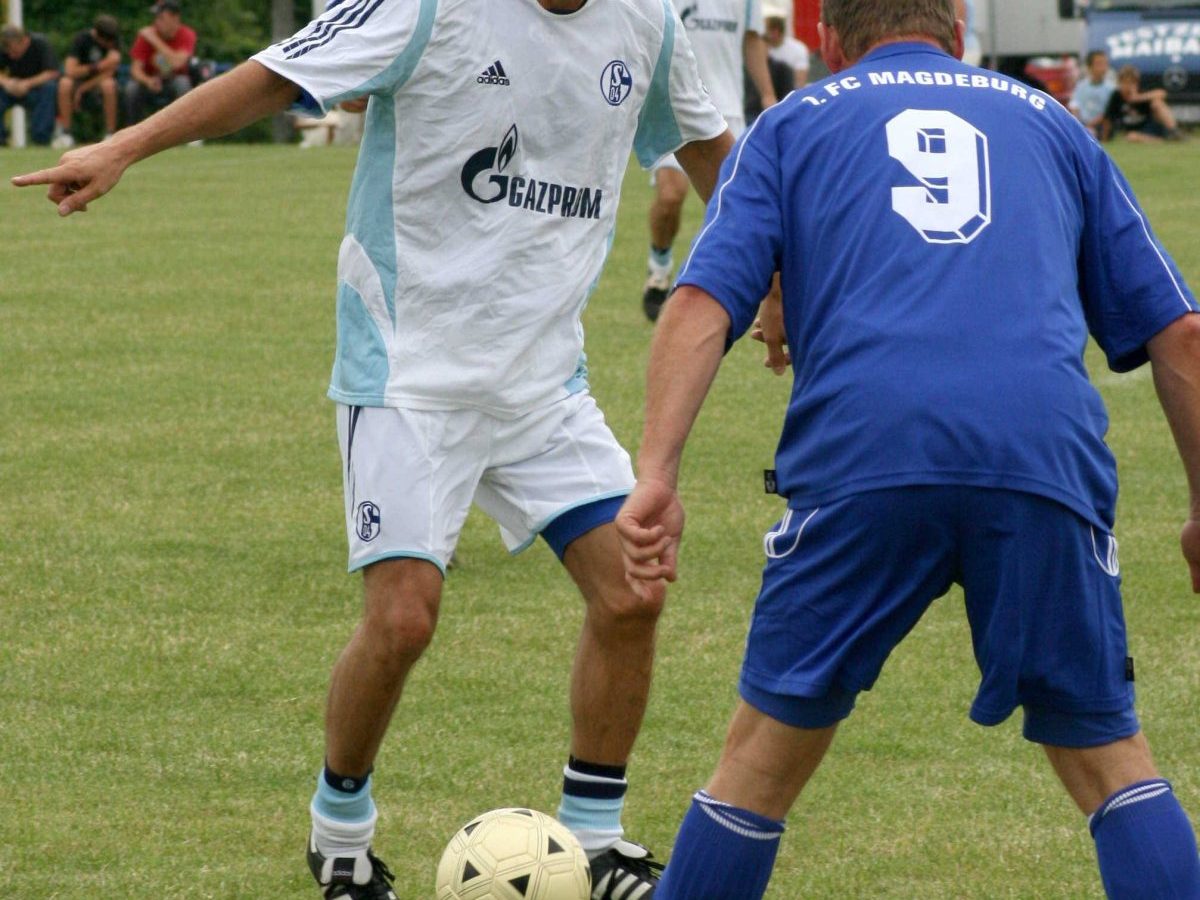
x,y
176,57
28,84
685,354
76,70
81,71
701,160
218,107
1175,360
754,51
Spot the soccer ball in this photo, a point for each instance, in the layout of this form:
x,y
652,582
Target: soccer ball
x,y
514,854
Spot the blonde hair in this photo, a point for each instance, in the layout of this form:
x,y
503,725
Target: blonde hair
x,y
1129,73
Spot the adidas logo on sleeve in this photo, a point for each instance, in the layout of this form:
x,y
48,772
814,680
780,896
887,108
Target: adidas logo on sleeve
x,y
494,74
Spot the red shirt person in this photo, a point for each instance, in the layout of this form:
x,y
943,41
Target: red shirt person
x,y
161,59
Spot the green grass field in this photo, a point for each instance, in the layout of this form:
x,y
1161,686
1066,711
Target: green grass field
x,y
173,593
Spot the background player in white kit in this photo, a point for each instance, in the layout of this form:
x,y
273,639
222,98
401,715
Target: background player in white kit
x,y
497,136
726,35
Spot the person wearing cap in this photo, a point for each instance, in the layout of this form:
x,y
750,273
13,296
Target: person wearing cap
x,y
782,46
91,67
28,72
161,56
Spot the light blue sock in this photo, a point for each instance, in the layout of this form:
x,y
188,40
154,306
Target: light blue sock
x,y
1146,845
592,800
660,259
721,853
343,806
343,822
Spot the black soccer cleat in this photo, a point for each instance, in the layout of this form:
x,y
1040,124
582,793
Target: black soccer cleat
x,y
625,872
360,876
654,295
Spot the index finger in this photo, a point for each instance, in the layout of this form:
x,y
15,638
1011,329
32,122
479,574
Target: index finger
x,y
43,176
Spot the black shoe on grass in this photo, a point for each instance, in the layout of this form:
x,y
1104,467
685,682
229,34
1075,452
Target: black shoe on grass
x,y
625,872
359,876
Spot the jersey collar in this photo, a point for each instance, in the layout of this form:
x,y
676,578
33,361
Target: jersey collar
x,y
902,48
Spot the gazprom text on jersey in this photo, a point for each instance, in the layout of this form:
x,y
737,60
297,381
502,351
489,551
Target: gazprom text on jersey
x,y
938,79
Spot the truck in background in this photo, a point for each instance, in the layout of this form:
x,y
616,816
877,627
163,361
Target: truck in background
x,y
1040,41
1160,37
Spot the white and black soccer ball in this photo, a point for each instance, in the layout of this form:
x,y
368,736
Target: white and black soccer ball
x,y
514,854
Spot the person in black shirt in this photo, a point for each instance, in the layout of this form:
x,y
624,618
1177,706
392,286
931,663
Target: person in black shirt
x,y
1143,115
30,71
91,67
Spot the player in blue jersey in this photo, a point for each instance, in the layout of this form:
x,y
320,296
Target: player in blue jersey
x,y
947,239
483,205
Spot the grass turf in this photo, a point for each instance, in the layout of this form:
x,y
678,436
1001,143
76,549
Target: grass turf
x,y
172,587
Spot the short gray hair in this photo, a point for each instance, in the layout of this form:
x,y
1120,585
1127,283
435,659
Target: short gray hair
x,y
861,24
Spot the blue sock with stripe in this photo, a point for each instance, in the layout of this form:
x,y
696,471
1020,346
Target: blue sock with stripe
x,y
592,800
1146,845
721,853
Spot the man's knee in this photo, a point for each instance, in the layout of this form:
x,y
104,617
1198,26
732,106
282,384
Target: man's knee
x,y
671,188
594,562
108,87
402,597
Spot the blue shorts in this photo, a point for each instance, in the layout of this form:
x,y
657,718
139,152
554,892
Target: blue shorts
x,y
844,584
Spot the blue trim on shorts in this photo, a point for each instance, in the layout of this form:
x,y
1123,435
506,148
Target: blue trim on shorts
x,y
397,554
1080,730
801,712
576,521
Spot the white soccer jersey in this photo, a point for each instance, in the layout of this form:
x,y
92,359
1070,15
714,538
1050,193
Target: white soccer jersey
x,y
485,196
716,29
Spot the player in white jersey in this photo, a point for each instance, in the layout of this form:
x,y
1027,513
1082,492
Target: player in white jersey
x,y
497,136
726,35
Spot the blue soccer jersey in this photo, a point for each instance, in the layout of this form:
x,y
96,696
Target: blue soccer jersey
x,y
903,172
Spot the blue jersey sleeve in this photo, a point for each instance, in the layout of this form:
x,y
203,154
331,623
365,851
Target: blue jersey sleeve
x,y
738,249
1131,287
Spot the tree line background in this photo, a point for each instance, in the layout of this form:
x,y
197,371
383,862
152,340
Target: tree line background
x,y
226,30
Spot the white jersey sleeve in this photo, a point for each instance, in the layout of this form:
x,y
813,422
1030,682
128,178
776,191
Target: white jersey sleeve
x,y
357,47
678,109
754,16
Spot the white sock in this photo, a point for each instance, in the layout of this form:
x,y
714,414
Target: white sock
x,y
335,838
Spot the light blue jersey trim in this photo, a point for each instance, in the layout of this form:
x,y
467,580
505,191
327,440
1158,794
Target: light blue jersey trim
x,y
371,214
401,69
398,554
361,358
749,13
578,382
541,526
658,133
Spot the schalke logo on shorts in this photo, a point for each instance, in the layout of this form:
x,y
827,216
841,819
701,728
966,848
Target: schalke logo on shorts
x,y
368,520
616,82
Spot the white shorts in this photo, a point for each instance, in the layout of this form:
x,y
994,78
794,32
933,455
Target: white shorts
x,y
411,475
736,125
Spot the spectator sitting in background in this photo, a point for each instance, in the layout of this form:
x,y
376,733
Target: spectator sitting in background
x,y
91,66
783,47
1090,100
1143,115
30,70
162,56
